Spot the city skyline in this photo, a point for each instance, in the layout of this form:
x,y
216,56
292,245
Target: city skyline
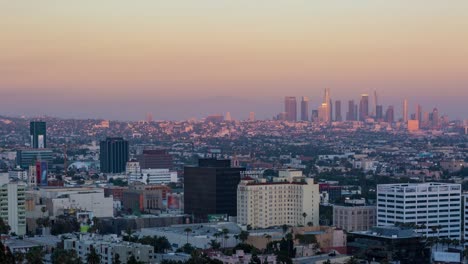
x,y
89,59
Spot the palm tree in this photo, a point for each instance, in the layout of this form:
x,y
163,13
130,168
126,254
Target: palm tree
x,y
243,236
225,233
304,215
187,231
92,257
215,245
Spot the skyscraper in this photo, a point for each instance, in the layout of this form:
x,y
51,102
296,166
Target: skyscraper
x,y
379,112
323,115
305,108
435,118
350,115
327,105
290,108
211,188
390,115
419,113
113,155
376,103
364,107
155,159
405,111
338,117
251,116
38,134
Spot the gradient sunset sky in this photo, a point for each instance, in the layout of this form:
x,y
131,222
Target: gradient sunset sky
x,y
118,59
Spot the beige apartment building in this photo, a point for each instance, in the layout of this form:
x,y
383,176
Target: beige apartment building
x,y
290,199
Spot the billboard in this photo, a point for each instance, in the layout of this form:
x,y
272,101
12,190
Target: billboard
x,y
41,173
212,218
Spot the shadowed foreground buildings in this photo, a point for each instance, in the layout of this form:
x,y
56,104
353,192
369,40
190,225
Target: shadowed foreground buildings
x,y
211,189
388,244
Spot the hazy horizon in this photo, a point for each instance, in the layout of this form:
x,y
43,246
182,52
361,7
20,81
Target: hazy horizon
x,y
118,60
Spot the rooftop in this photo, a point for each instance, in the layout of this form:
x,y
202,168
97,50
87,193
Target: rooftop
x,y
391,232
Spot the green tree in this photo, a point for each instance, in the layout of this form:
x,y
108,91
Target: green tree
x,y
4,227
243,236
116,259
19,257
35,255
92,257
61,256
133,260
215,245
352,260
187,231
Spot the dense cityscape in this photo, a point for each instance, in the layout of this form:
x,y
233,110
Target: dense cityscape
x,y
324,189
233,132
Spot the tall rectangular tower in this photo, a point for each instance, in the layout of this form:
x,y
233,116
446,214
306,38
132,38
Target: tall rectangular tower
x,y
338,117
113,155
290,108
364,107
38,134
211,188
305,108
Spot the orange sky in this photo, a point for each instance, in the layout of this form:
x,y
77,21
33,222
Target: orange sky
x,y
193,49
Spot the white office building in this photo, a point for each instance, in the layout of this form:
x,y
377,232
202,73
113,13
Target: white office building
x,y
153,176
290,199
12,207
90,199
434,208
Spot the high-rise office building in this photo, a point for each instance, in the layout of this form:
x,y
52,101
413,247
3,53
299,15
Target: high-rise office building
x,y
323,115
211,189
426,205
305,108
376,103
290,108
350,115
13,207
390,115
327,107
379,112
364,107
338,117
28,157
113,155
284,201
405,111
419,113
315,116
435,118
251,116
38,134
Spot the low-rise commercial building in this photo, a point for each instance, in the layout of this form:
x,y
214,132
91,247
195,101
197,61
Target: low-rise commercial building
x,y
353,216
108,247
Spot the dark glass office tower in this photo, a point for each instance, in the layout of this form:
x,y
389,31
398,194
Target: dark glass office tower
x,y
113,155
211,188
38,134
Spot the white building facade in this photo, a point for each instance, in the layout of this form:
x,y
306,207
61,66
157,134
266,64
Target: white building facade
x,y
290,199
12,207
433,208
153,176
